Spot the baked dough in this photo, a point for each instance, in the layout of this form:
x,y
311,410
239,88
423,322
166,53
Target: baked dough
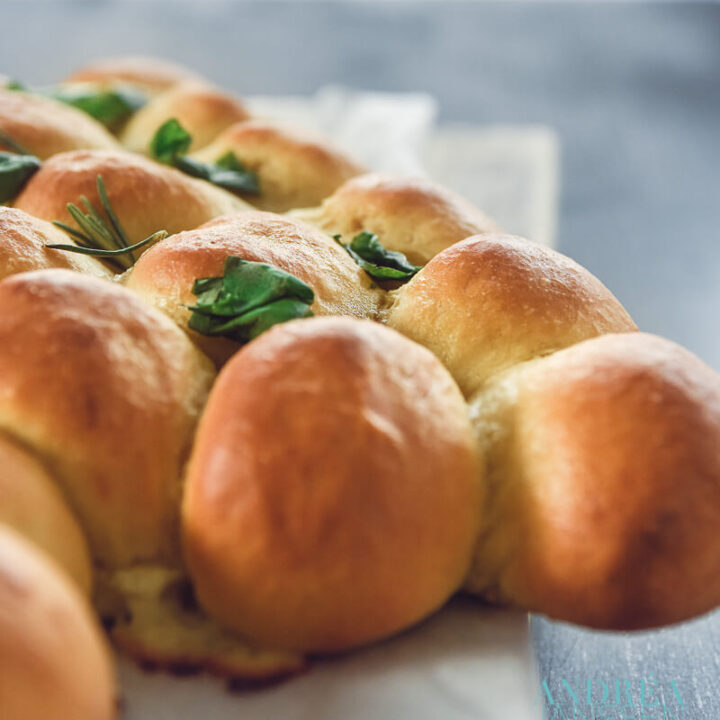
x,y
294,170
105,391
413,216
164,275
45,127
333,491
54,662
146,196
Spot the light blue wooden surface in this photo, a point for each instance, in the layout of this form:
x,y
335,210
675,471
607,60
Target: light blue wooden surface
x,y
634,91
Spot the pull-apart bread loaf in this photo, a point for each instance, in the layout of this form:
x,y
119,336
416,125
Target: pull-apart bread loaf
x,y
165,274
333,492
507,431
293,170
146,196
603,481
415,217
54,662
45,127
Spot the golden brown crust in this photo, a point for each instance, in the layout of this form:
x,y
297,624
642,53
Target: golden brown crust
x,y
53,659
164,275
105,390
294,171
493,300
413,216
33,506
147,73
22,247
605,500
333,489
204,111
145,195
45,127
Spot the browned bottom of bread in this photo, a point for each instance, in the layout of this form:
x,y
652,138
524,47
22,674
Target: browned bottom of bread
x,y
153,617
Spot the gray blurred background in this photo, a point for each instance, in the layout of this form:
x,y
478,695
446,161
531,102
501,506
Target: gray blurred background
x,y
633,89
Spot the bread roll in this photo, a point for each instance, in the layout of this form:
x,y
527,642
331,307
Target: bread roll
x,y
106,391
151,75
45,127
333,491
33,506
294,171
204,111
415,217
604,485
53,659
492,301
164,275
22,247
145,195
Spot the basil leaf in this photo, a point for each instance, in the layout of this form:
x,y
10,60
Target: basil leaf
x,y
110,107
248,299
243,179
15,171
170,145
170,141
14,85
378,262
246,327
207,291
237,180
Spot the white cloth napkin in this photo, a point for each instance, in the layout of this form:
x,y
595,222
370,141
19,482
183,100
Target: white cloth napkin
x,y
511,172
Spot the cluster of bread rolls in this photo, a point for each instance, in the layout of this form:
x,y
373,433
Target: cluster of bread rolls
x,y
491,421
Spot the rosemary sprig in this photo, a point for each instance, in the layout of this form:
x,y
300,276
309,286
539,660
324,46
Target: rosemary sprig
x,y
100,237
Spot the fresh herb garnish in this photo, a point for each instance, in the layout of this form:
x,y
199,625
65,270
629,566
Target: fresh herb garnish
x,y
15,171
16,168
378,262
171,140
249,298
170,145
111,107
100,237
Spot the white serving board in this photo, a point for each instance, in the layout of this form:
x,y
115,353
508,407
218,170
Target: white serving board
x,y
468,662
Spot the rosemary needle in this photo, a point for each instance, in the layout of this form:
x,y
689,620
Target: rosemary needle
x,y
99,237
